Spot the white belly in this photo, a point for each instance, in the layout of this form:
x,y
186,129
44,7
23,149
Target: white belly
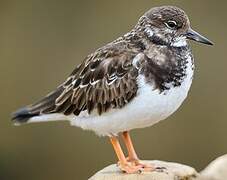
x,y
146,109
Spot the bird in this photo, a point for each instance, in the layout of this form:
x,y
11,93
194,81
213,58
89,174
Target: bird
x,y
133,82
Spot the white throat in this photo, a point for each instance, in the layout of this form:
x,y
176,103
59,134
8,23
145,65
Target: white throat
x,y
180,42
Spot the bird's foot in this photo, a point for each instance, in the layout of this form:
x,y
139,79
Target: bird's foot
x,y
143,165
138,163
130,168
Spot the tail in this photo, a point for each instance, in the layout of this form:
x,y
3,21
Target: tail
x,y
44,106
22,115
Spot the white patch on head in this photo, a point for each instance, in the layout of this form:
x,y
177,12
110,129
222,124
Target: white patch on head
x,y
180,42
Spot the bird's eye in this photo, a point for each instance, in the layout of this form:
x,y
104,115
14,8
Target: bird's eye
x,y
171,24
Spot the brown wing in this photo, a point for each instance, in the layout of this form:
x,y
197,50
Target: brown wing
x,y
105,80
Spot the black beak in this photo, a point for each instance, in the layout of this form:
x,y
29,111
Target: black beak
x,y
193,35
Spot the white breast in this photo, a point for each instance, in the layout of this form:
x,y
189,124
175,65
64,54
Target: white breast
x,y
146,109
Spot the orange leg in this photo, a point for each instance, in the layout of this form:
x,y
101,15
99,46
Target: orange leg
x,y
132,156
124,165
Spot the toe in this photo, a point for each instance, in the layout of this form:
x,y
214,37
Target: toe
x,y
130,169
144,165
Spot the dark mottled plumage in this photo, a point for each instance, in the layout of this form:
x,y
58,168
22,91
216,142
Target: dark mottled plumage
x,y
108,78
173,71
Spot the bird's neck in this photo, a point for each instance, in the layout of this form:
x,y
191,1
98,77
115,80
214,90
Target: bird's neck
x,y
166,67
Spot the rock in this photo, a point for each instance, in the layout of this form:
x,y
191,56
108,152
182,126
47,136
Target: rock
x,y
166,171
216,170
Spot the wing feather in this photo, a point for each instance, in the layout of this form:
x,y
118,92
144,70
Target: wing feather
x,y
105,80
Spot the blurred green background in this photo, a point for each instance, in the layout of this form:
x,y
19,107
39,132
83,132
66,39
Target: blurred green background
x,y
41,41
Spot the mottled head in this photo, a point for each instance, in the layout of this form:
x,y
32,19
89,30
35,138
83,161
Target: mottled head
x,y
169,25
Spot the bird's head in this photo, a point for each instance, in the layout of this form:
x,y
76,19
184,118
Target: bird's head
x,y
169,25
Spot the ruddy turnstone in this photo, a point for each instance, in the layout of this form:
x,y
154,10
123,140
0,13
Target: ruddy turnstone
x,y
133,82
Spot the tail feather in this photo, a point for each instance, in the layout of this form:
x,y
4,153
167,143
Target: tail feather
x,y
47,105
22,115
